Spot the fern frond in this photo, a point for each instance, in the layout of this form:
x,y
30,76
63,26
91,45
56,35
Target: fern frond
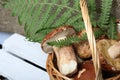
x,y
105,14
98,32
112,30
35,15
53,17
63,19
66,42
39,37
92,11
76,4
39,17
18,8
24,15
65,2
79,25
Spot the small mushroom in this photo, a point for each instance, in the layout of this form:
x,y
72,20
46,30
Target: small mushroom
x,y
83,47
83,50
66,59
87,71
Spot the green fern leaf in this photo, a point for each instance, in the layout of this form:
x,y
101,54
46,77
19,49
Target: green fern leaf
x,y
76,4
43,20
65,2
112,30
79,25
66,42
53,17
34,16
63,19
37,15
98,32
105,14
92,11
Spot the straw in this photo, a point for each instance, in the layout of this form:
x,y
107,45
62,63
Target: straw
x,y
91,39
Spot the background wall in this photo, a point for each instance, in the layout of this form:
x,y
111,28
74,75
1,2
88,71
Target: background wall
x,y
8,23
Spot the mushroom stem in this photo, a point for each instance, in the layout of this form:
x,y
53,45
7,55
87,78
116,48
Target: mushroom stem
x,y
66,59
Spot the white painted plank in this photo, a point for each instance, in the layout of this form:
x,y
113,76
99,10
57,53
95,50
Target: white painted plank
x,y
17,69
29,50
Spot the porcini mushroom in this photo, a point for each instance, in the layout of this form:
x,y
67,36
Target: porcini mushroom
x,y
66,59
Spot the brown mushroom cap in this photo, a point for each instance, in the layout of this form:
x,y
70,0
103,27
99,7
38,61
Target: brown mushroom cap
x,y
62,31
88,73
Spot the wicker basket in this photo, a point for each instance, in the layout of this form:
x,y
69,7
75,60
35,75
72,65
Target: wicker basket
x,y
51,60
56,75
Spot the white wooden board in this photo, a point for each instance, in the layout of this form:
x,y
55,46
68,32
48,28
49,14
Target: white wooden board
x,y
17,69
31,51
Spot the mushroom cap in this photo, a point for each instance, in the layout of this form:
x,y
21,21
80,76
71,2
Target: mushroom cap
x,y
54,35
88,73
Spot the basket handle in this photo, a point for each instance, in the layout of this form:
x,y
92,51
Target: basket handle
x,y
91,39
